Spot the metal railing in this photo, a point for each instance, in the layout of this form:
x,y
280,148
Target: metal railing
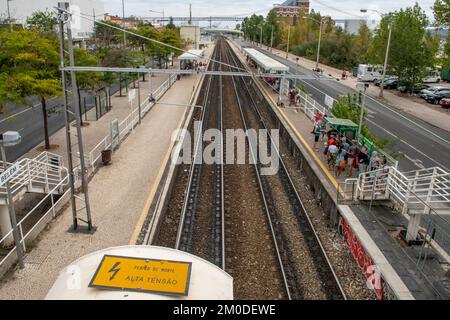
x,y
128,124
416,192
42,173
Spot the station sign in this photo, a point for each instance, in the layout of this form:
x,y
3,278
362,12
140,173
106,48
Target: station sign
x,y
131,95
9,173
143,275
329,101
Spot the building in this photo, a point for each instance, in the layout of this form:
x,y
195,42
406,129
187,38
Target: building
x,y
292,8
129,22
351,26
191,35
22,9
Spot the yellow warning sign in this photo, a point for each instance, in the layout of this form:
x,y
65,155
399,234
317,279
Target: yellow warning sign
x,y
144,275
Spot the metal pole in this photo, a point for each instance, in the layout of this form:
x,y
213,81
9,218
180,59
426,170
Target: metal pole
x,y
260,36
9,17
62,18
150,93
386,58
12,213
139,99
271,40
318,46
95,35
288,40
361,116
78,126
123,25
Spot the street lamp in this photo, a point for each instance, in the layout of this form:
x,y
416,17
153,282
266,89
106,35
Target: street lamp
x,y
320,36
260,35
123,25
159,13
9,139
387,48
9,16
362,87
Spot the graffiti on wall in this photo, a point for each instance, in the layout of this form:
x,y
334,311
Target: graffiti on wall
x,y
375,281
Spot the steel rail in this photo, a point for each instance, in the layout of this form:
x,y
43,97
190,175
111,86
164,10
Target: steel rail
x,y
194,174
299,201
186,229
263,195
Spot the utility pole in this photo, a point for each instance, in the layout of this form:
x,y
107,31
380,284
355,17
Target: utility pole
x,y
318,46
271,40
123,25
64,18
9,16
288,40
362,87
260,36
95,33
386,59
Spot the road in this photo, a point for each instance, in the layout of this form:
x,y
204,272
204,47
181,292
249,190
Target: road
x,y
422,144
29,123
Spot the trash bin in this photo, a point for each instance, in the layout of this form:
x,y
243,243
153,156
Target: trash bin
x,y
106,156
178,77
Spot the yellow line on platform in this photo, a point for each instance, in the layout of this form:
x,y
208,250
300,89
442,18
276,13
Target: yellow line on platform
x,y
319,162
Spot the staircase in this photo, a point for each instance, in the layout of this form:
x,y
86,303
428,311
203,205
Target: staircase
x,y
42,174
415,192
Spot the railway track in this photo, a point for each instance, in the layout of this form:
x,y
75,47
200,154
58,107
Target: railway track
x,y
253,226
308,277
201,227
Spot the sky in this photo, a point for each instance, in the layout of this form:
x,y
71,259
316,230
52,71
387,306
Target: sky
x,y
338,9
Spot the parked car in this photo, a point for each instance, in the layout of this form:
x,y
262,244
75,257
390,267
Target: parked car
x,y
378,81
445,102
415,90
438,96
433,77
425,92
390,84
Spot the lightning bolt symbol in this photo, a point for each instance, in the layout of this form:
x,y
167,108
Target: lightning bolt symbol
x,y
114,270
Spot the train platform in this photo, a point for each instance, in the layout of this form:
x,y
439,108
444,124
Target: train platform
x,y
376,229
118,194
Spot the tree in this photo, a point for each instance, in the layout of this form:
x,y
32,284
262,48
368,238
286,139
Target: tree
x,y
106,35
412,53
43,21
441,10
170,25
362,42
29,64
85,80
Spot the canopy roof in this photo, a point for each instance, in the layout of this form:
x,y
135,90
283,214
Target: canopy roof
x,y
265,62
192,55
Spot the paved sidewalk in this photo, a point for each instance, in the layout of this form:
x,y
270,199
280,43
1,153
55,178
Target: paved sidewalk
x,y
97,130
118,194
434,115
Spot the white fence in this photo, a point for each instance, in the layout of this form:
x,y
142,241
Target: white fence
x,y
416,192
40,175
127,125
36,175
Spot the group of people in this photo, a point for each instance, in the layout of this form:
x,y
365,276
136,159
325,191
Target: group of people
x,y
343,155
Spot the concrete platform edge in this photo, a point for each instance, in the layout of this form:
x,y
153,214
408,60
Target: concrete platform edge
x,y
387,271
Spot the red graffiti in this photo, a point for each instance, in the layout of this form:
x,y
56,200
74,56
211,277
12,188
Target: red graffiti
x,y
364,261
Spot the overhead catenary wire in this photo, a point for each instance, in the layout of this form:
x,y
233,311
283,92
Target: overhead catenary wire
x,y
89,17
